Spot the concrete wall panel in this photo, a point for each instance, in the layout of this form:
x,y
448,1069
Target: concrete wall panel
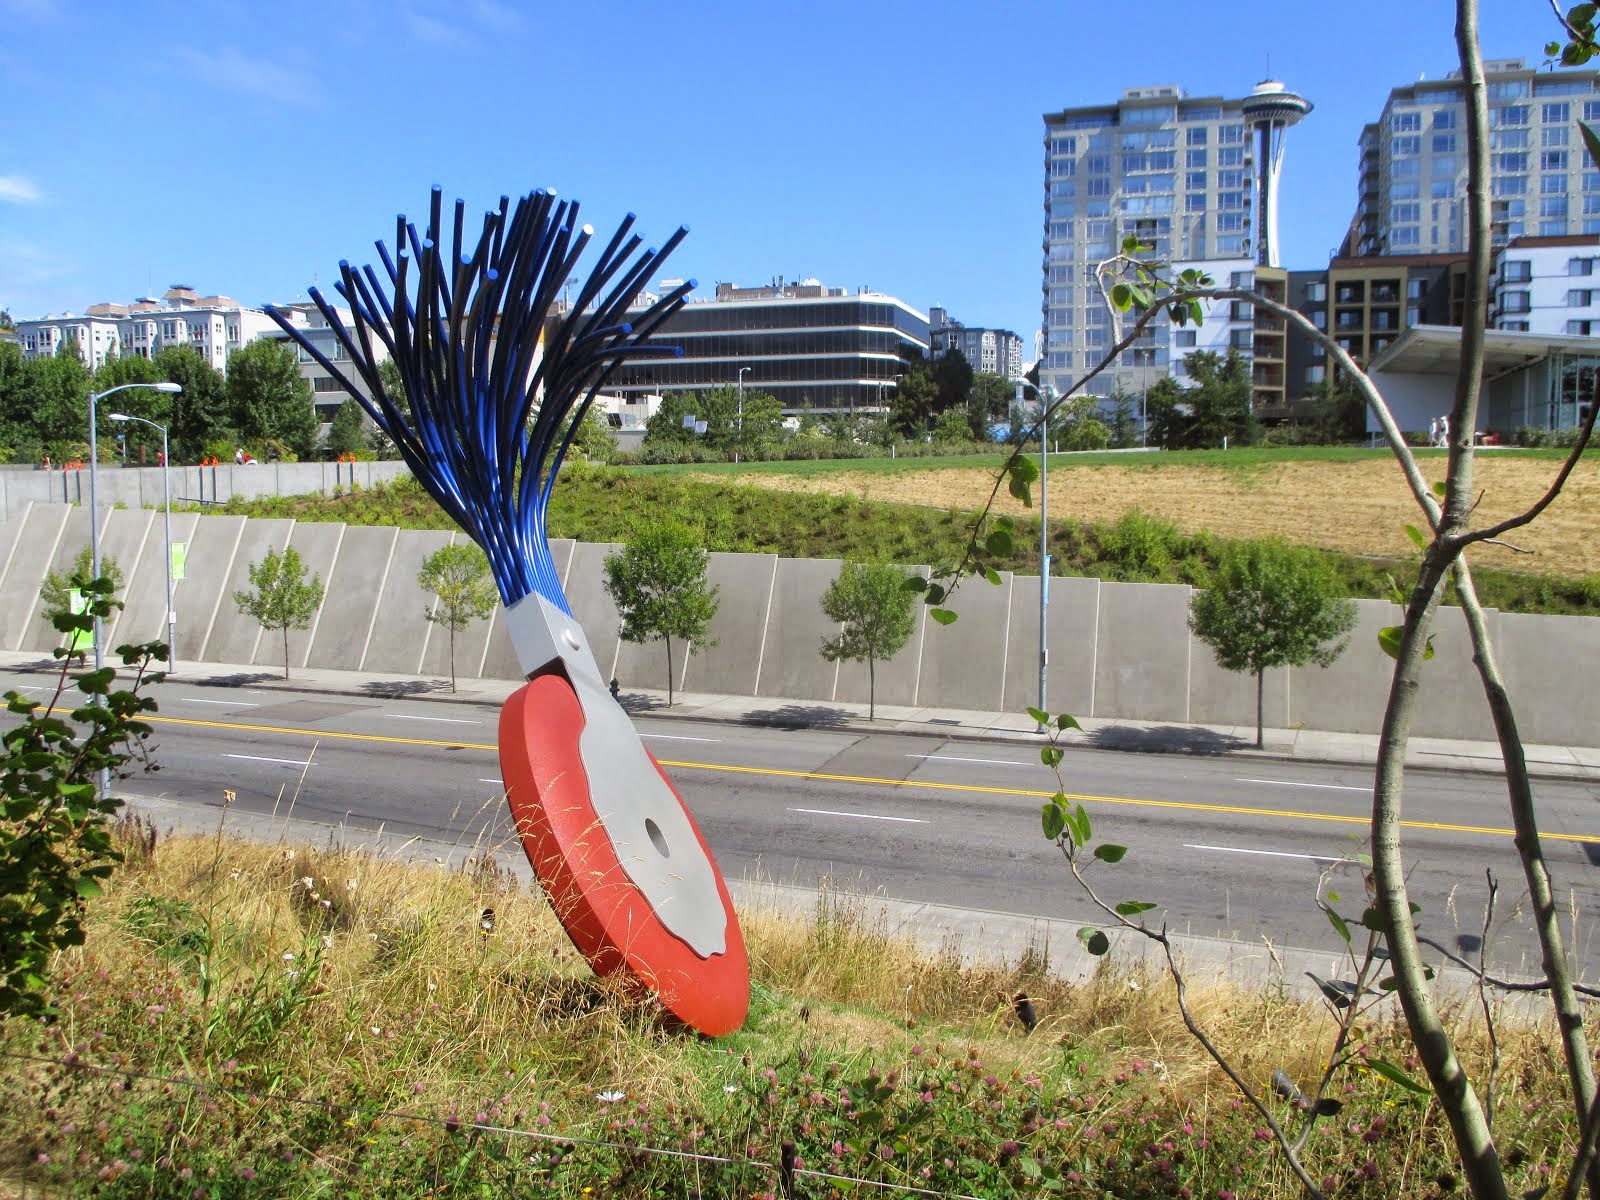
x,y
1547,665
1218,697
591,605
1074,621
205,603
39,634
897,678
234,636
485,645
1142,672
1451,702
1349,696
144,618
964,664
350,603
123,538
791,666
43,527
398,639
745,583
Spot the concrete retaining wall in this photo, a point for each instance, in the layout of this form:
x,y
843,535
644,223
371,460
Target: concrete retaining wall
x,y
1116,649
141,487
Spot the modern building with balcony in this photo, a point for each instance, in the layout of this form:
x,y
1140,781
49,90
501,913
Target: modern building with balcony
x,y
995,351
816,349
1547,286
1412,193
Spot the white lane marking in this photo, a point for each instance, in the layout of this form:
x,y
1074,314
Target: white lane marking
x,y
443,720
288,762
501,782
1336,787
229,703
1322,858
992,762
828,812
679,737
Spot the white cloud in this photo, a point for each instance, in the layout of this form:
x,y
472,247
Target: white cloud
x,y
232,70
14,189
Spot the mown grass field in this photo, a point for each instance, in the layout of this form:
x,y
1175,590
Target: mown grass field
x,y
1156,518
272,1020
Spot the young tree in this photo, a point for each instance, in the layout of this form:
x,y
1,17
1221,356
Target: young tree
x,y
282,598
459,576
988,403
268,399
876,613
658,583
348,433
1219,399
1077,425
1271,605
914,401
55,827
63,594
954,376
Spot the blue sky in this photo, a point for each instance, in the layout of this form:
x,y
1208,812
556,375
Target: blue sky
x,y
245,148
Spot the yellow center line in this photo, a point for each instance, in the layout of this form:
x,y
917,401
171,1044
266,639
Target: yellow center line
x,y
929,785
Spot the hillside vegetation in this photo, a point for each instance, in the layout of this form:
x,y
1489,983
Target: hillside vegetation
x,y
1164,519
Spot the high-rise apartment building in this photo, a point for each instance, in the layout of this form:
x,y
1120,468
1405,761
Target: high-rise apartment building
x,y
997,351
1413,165
1186,176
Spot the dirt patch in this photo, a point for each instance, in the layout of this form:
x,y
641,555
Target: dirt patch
x,y
1357,508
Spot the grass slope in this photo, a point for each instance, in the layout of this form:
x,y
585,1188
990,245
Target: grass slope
x,y
253,1020
605,505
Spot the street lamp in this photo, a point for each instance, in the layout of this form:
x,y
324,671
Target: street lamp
x,y
94,496
166,524
883,383
736,444
1046,397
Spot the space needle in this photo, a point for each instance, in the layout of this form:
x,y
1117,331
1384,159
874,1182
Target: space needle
x,y
1270,109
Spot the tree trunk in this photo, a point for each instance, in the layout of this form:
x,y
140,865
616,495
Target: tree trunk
x,y
1261,701
872,689
669,671
452,660
1524,819
286,652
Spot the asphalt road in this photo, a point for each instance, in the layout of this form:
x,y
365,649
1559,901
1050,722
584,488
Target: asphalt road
x,y
1228,846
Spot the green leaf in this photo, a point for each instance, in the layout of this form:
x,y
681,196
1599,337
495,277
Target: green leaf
x,y
1023,473
1396,1076
1415,535
1389,640
1067,721
990,574
1039,716
88,889
1109,852
1082,817
1132,908
1591,141
1440,488
1054,821
1334,897
936,592
998,543
1340,926
1340,993
1005,523
1121,297
1094,940
1050,756
942,615
1372,919
915,583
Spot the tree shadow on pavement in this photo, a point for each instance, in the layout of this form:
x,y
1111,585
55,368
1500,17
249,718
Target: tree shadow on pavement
x,y
1165,739
243,678
798,716
399,689
634,704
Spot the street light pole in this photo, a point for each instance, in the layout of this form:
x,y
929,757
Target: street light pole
x,y
94,520
166,525
1045,395
736,444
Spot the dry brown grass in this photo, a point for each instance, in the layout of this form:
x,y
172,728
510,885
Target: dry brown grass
x,y
1353,507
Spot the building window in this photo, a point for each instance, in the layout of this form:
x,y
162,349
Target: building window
x,y
1553,160
1402,146
1511,164
1444,118
1401,214
1183,338
325,383
1229,134
1097,164
1557,114
1579,298
1194,202
1405,235
1512,114
1444,143
1230,222
1063,145
1405,122
1316,373
1552,206
1508,139
1063,168
1580,266
1317,292
1232,200
1194,158
1099,187
1517,270
1554,136
1230,156
1581,328
1514,302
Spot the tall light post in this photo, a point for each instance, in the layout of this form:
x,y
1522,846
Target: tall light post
x,y
166,525
1046,397
883,383
736,444
94,496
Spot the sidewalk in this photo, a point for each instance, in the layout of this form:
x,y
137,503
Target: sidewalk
x,y
1298,745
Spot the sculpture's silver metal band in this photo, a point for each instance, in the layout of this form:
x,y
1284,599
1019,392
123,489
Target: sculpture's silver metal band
x,y
648,828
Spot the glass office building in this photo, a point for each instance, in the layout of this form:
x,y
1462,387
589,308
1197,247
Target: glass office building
x,y
816,349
